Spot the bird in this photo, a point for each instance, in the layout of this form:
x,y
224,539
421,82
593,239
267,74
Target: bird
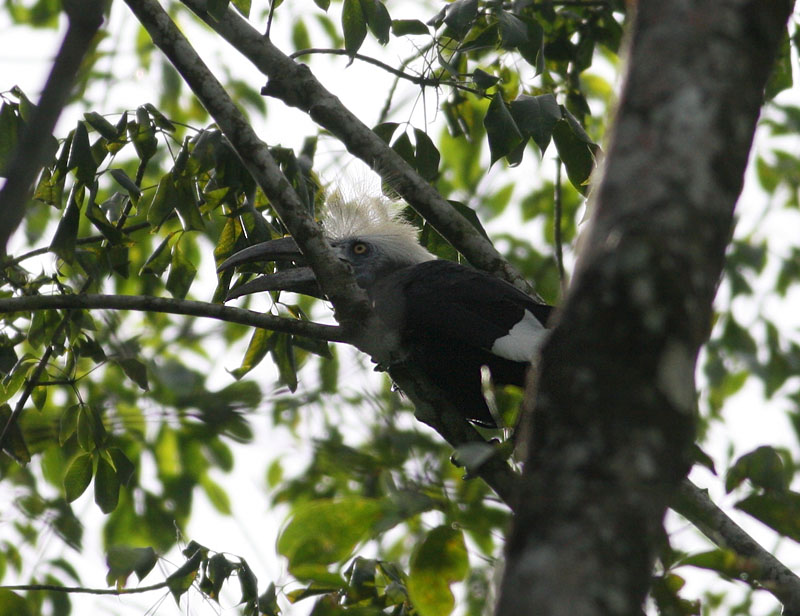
x,y
450,319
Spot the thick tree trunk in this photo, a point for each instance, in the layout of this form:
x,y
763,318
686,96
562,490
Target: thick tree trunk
x,y
614,414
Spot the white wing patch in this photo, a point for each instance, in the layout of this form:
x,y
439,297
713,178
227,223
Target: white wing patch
x,y
522,341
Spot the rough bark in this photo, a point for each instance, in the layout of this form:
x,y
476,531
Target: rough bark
x,y
614,414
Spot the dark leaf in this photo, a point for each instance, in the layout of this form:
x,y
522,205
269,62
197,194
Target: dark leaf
x,y
181,580
326,531
460,16
763,467
106,486
14,443
778,510
135,370
101,125
502,131
124,180
80,156
260,344
66,234
536,117
404,27
123,560
426,156
483,79
181,273
354,26
438,561
78,476
378,19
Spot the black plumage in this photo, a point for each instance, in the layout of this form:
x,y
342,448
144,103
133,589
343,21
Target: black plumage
x,y
450,319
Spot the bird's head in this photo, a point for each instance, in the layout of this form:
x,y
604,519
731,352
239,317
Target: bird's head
x,y
365,232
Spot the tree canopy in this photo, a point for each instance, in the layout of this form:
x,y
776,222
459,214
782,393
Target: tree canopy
x,y
116,402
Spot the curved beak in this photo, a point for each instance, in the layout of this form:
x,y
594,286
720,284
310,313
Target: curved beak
x,y
297,279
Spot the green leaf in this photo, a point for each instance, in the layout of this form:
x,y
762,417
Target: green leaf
x,y
106,486
243,6
354,26
282,350
483,79
10,125
101,125
181,273
426,157
143,135
386,130
778,510
437,562
260,343
160,259
248,583
216,495
326,531
124,180
536,117
404,27
123,560
513,31
163,203
14,443
80,156
135,370
727,562
575,149
78,476
98,218
763,467
11,604
125,468
502,131
186,206
181,580
66,234
460,16
378,19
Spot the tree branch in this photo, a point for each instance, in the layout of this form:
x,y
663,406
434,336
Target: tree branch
x,y
146,303
335,278
87,591
296,86
695,505
85,19
614,415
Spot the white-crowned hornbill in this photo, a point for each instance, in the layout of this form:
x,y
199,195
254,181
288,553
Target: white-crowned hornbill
x,y
450,319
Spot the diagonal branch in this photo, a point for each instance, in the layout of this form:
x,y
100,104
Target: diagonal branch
x,y
147,303
695,505
335,278
296,86
84,20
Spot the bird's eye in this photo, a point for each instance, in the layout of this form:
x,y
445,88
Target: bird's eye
x,y
360,248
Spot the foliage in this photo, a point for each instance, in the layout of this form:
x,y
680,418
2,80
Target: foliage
x,y
133,202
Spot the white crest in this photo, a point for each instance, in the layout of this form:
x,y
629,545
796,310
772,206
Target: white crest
x,y
364,215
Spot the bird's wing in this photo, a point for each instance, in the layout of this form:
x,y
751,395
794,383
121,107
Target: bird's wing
x,y
448,301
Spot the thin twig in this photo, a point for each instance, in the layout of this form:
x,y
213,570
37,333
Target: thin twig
x,y
419,80
146,303
86,591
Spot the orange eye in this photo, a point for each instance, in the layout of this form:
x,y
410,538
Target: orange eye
x,y
359,248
